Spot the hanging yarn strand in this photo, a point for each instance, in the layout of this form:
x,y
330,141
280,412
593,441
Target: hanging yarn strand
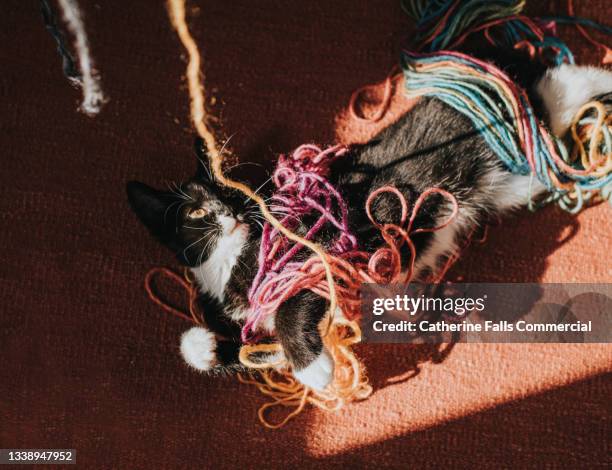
x,y
199,118
93,97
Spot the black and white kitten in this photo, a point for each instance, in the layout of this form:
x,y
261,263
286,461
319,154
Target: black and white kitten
x,y
216,233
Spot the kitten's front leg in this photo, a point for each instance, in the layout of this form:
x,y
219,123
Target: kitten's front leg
x,y
201,347
202,351
198,348
297,327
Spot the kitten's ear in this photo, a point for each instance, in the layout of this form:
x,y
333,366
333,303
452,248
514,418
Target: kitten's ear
x,y
203,170
151,206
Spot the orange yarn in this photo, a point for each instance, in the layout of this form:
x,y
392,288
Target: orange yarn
x,y
381,108
183,282
349,383
607,57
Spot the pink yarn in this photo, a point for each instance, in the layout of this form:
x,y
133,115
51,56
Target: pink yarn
x,y
303,190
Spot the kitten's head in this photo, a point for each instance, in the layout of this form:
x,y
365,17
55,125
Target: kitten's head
x,y
196,218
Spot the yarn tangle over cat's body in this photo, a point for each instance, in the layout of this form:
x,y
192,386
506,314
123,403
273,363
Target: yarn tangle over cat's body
x,y
499,109
337,273
504,117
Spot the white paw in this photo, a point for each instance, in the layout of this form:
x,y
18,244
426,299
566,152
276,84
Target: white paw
x,y
198,348
319,373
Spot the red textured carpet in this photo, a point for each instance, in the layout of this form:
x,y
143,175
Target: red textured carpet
x,y
88,362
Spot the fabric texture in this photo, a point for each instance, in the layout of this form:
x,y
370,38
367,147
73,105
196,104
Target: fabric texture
x,y
88,362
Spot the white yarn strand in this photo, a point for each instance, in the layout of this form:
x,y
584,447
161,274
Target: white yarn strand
x,y
93,96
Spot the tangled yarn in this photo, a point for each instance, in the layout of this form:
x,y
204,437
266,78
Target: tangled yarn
x,y
503,115
304,191
499,109
337,272
446,24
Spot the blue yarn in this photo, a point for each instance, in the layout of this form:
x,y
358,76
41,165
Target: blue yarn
x,y
484,103
478,98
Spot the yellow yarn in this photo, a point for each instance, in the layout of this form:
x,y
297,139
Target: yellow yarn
x,y
593,134
349,383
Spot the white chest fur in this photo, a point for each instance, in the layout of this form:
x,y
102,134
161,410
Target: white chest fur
x,y
214,274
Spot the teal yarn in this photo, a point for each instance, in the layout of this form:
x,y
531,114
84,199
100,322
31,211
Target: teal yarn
x,y
503,115
440,22
446,24
500,110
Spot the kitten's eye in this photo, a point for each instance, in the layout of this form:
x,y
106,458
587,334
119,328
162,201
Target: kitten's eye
x,y
197,213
